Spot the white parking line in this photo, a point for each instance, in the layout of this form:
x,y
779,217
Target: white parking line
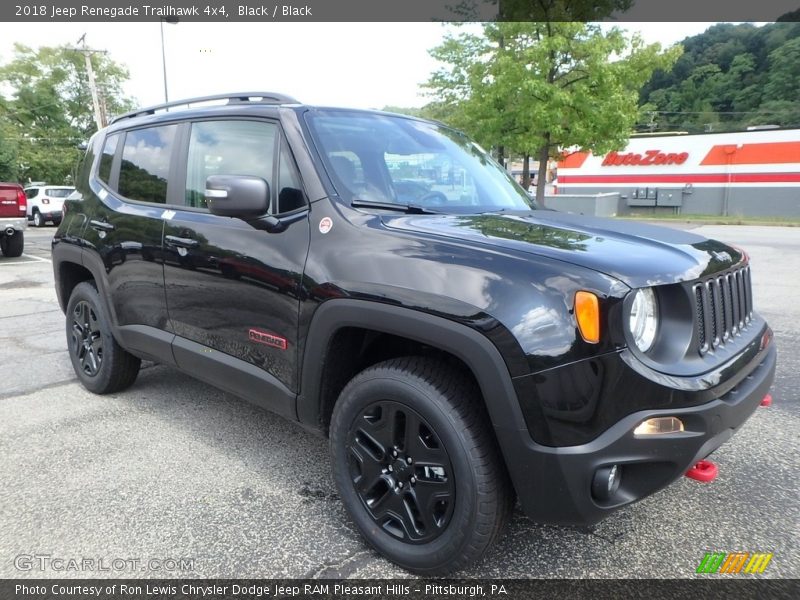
x,y
37,258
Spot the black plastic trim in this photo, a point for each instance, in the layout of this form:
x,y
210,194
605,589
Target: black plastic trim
x,y
234,376
149,343
558,480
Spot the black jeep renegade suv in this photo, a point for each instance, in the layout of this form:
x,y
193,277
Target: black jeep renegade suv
x,y
380,279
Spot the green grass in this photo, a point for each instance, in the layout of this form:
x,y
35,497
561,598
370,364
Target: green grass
x,y
718,219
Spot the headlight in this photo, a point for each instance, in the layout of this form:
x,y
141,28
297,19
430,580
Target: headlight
x,y
644,318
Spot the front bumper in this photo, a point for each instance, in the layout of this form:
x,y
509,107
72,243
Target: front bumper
x,y
17,223
558,484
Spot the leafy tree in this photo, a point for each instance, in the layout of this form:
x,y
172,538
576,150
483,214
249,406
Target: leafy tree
x,y
49,110
539,87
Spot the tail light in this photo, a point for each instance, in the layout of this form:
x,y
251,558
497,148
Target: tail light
x,y
22,202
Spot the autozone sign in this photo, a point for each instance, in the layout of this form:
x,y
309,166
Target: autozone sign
x,y
650,157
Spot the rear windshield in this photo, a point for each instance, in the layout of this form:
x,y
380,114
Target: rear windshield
x,y
58,192
389,159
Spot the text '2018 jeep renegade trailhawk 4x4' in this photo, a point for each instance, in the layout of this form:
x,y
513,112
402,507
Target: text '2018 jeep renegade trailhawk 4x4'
x,y
380,279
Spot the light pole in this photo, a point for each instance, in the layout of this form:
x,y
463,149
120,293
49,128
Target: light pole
x,y
171,21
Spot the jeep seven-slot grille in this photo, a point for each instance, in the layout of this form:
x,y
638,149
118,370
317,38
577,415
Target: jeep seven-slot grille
x,y
723,308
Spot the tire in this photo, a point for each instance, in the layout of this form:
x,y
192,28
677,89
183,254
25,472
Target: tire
x,y
101,365
12,246
38,219
456,496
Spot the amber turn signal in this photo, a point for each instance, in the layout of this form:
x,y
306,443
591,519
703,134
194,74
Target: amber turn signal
x,y
587,313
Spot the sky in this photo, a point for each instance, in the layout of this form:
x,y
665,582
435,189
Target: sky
x,y
359,65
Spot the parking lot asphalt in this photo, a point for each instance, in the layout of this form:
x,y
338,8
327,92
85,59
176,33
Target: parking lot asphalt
x,y
172,468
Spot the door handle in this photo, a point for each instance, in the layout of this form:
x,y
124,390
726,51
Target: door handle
x,y
182,242
101,225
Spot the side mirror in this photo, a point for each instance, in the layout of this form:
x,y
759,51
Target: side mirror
x,y
237,195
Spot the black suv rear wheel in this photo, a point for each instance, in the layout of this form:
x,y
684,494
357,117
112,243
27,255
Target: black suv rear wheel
x,y
12,246
100,363
416,465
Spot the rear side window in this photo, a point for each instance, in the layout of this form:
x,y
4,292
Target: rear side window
x,y
31,192
228,148
145,163
107,157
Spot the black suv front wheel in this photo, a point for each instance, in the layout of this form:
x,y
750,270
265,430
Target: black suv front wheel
x,y
416,465
100,363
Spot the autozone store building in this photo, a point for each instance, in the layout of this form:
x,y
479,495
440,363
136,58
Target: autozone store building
x,y
743,173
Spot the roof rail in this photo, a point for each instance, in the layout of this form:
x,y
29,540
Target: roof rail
x,y
255,97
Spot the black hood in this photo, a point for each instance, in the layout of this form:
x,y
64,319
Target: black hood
x,y
635,253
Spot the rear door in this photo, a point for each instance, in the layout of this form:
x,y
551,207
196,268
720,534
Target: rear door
x,y
123,231
233,288
54,198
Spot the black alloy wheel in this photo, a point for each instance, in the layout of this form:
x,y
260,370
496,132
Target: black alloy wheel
x,y
100,363
417,465
87,341
401,472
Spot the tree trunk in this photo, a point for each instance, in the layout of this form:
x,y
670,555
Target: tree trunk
x,y
501,156
526,171
541,181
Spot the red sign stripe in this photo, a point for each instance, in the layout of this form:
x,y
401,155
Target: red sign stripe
x,y
753,154
574,160
684,178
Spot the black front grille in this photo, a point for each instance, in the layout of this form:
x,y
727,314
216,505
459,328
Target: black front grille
x,y
723,308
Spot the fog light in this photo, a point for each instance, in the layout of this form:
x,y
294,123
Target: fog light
x,y
659,425
606,482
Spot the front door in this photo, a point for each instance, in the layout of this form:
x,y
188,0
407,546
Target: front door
x,y
232,288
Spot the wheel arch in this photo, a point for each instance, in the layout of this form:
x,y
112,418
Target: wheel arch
x,y
469,346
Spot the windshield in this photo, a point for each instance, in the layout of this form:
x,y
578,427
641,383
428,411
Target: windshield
x,y
388,159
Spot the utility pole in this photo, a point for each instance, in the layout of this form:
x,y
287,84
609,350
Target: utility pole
x,y
99,114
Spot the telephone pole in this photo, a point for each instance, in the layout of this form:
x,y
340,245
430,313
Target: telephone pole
x,y
99,114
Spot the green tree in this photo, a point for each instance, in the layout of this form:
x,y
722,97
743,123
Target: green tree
x,y
783,80
49,110
537,88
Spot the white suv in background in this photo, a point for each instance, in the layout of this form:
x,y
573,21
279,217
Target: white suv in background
x,y
45,203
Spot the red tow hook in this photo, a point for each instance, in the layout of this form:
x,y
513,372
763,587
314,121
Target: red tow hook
x,y
704,471
767,401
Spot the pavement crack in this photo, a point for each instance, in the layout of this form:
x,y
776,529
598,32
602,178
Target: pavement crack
x,y
38,388
344,568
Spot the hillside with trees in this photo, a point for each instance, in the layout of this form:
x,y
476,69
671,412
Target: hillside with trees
x,y
728,78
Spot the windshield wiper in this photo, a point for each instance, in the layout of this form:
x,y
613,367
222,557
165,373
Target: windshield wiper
x,y
412,209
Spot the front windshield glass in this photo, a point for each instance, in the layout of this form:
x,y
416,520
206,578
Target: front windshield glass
x,y
388,159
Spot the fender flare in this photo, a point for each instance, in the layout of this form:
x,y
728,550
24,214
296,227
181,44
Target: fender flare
x,y
473,348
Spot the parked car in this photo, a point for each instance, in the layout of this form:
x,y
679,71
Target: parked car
x,y
45,203
12,219
457,353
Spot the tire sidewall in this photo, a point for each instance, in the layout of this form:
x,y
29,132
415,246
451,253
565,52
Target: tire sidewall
x,y
430,404
87,292
38,220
